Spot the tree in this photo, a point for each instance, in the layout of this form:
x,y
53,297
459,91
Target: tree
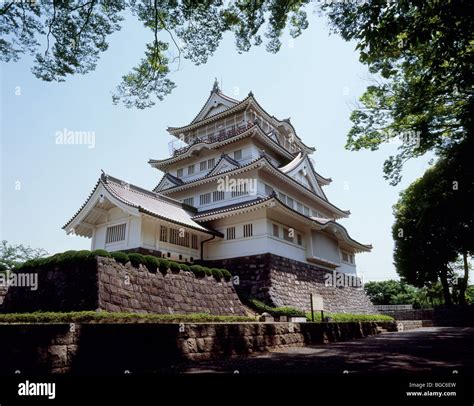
x,y
13,255
434,222
421,56
76,32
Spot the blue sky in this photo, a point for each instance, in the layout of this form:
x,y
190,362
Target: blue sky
x,y
315,79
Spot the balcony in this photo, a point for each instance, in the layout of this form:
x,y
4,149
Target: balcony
x,y
218,136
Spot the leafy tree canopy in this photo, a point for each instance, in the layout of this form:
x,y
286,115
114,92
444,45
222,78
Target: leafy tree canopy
x,y
12,256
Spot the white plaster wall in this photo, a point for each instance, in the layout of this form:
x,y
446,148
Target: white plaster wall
x,y
347,268
325,247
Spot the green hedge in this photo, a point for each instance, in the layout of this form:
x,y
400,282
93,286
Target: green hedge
x,y
151,262
348,317
109,317
275,311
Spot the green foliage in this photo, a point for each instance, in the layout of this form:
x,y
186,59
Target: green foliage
x,y
216,273
101,253
184,267
198,271
434,219
151,262
421,59
175,266
12,256
75,34
261,307
110,317
349,317
136,259
164,265
226,274
120,257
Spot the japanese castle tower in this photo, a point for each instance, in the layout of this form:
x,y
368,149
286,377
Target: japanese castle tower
x,y
241,192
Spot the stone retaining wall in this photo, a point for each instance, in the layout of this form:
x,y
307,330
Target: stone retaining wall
x,y
95,349
107,285
282,281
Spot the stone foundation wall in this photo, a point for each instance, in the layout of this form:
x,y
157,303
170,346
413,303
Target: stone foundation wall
x,y
96,349
104,284
127,289
280,281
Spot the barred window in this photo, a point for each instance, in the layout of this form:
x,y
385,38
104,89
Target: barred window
x,y
239,190
163,234
299,207
238,155
211,162
268,190
205,198
306,211
217,195
115,233
282,197
276,230
230,233
189,201
289,202
203,165
248,230
174,236
190,169
179,173
345,256
194,241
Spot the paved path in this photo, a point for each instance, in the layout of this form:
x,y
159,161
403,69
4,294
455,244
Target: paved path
x,y
435,349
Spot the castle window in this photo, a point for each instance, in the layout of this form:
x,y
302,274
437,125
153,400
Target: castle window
x,y
248,230
203,165
286,235
268,190
306,211
282,197
194,241
115,233
299,207
205,199
190,169
179,173
217,195
211,162
230,233
347,257
238,155
189,201
163,234
239,190
276,231
299,239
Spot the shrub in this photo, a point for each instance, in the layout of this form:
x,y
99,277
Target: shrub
x,y
120,257
207,271
226,274
198,271
136,259
184,267
217,274
151,262
275,311
164,264
174,266
101,253
350,317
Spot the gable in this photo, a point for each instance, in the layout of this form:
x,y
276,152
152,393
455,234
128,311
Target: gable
x,y
216,104
303,173
225,164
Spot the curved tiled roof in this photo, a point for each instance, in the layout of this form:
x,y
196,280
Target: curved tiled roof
x,y
147,202
323,223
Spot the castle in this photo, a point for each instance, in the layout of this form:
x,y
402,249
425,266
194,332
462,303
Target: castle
x,y
240,191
